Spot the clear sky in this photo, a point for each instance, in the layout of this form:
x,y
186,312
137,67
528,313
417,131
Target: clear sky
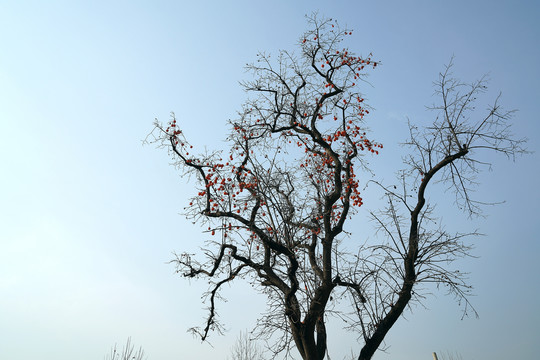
x,y
89,216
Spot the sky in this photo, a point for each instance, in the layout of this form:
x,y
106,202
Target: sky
x,y
89,216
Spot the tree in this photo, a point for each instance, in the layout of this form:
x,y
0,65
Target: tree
x,y
128,352
448,356
278,202
245,348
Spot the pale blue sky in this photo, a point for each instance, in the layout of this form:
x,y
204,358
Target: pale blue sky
x,y
89,216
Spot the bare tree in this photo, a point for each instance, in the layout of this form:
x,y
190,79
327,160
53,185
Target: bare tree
x,y
246,348
448,356
276,205
128,352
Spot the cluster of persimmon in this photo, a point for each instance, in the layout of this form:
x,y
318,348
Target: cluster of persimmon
x,y
320,170
225,181
343,58
245,133
232,188
332,59
353,133
224,188
173,131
